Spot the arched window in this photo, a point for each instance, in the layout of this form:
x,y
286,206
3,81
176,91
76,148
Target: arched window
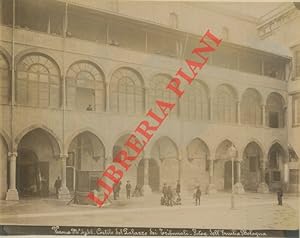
x,y
158,91
251,112
275,111
127,93
85,87
225,104
4,80
195,103
173,20
38,82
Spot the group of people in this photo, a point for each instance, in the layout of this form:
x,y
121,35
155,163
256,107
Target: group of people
x,y
168,197
136,193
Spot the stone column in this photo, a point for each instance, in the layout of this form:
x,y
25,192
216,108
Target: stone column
x,y
238,112
146,188
107,106
211,188
263,115
12,192
238,186
262,186
210,109
63,192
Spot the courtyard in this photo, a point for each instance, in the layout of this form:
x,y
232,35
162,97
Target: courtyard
x,y
252,211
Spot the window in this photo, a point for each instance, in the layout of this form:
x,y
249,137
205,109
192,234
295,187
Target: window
x,y
127,35
163,44
40,15
251,110
251,63
195,103
157,91
38,82
85,87
6,7
274,67
296,109
4,80
173,20
127,92
86,26
294,176
225,105
225,57
275,111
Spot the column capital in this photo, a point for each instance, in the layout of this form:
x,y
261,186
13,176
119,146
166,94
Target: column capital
x,y
12,155
63,156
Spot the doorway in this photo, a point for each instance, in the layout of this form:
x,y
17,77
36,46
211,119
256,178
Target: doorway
x,y
228,175
32,175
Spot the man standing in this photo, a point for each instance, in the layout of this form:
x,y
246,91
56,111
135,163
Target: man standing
x,y
198,195
279,197
57,185
170,196
178,188
128,189
165,192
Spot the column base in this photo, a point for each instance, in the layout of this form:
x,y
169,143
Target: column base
x,y
64,194
211,189
147,190
12,195
238,188
263,188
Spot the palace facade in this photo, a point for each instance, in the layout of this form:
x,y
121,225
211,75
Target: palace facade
x,y
77,77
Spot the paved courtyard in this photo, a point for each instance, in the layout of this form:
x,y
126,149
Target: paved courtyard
x,y
252,211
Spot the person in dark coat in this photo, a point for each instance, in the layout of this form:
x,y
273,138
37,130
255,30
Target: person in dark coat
x,y
198,195
119,189
279,197
178,188
128,189
57,185
165,194
170,196
115,191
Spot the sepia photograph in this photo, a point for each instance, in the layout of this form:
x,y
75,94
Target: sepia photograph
x,y
149,118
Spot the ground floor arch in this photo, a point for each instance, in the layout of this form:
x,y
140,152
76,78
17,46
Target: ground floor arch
x,y
152,175
250,166
85,162
37,164
165,152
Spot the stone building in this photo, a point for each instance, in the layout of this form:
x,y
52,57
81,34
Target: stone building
x,y
77,77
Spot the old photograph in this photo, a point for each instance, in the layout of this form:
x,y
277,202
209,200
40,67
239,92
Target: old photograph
x,y
150,114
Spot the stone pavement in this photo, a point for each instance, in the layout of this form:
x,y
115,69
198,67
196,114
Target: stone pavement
x,y
253,211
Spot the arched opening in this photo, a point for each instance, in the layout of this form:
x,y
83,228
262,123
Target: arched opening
x,y
195,103
38,82
250,166
127,92
195,169
85,162
165,152
274,175
225,104
4,168
135,173
157,91
223,167
251,109
275,111
38,164
153,174
85,87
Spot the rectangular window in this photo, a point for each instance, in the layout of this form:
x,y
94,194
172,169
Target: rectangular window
x,y
294,176
274,119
